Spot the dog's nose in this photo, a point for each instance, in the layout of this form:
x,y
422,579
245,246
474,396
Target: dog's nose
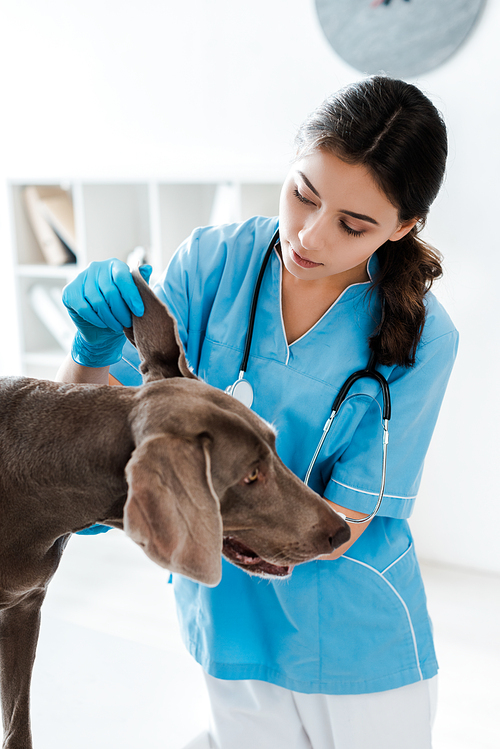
x,y
336,531
341,536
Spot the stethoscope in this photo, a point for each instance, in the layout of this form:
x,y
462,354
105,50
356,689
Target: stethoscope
x,y
243,391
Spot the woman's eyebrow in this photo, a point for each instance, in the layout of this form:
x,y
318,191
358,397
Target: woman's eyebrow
x,y
360,216
310,186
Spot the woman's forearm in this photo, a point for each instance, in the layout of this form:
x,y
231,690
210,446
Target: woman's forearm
x,y
70,371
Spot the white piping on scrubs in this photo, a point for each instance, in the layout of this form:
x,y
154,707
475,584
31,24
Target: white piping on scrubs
x,y
373,494
397,560
410,623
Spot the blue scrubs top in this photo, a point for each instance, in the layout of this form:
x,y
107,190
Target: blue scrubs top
x,y
357,624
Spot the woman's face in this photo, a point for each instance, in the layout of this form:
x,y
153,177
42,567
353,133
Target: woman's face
x,y
333,216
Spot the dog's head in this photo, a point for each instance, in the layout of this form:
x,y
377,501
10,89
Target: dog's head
x,y
204,478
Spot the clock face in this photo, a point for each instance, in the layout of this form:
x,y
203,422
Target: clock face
x,y
402,38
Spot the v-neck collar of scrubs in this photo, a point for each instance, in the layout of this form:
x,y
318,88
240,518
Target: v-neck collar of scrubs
x,y
348,295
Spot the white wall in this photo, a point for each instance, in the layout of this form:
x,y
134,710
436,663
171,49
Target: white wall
x,y
134,89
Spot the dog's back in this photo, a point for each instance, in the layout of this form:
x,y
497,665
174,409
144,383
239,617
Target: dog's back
x,y
59,441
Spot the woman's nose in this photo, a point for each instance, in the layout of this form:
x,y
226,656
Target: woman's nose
x,y
313,236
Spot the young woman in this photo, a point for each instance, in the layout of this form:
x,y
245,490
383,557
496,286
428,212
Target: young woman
x,y
340,655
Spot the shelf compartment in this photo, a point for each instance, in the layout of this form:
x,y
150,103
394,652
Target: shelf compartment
x,y
116,220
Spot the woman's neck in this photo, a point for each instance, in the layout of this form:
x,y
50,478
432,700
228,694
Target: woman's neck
x,y
305,302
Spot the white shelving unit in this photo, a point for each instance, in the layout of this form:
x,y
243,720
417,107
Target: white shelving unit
x,y
111,219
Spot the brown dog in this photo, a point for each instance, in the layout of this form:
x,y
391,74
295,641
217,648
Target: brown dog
x,y
187,471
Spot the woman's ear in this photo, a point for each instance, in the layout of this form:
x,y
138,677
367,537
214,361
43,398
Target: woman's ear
x,y
403,230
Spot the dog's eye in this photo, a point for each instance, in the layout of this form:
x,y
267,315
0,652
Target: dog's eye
x,y
252,476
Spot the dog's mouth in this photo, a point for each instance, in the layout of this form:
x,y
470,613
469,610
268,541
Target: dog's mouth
x,y
243,556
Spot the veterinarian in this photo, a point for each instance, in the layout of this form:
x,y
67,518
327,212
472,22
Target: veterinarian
x,y
340,655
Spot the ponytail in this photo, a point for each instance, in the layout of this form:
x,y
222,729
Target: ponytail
x,y
408,269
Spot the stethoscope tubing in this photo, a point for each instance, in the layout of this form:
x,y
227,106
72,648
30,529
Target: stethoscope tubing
x,y
244,386
253,306
386,415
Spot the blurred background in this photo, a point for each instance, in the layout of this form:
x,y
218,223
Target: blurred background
x,y
130,123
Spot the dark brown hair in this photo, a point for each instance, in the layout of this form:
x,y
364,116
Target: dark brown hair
x,y
393,129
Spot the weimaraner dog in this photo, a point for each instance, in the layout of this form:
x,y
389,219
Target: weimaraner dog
x,y
184,469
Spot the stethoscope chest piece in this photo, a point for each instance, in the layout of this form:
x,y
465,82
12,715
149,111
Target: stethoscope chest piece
x,y
242,391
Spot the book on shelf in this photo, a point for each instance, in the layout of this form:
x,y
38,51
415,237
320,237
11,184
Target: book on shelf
x,y
50,213
48,306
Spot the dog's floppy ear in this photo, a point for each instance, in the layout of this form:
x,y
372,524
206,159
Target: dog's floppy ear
x,y
156,338
172,510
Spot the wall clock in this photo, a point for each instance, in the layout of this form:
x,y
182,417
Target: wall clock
x,y
402,38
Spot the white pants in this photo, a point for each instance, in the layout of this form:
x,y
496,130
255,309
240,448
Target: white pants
x,y
255,714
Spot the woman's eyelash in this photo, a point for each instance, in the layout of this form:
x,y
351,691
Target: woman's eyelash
x,y
301,197
345,227
350,231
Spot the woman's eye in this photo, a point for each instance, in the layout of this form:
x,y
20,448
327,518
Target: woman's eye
x,y
252,476
351,231
302,198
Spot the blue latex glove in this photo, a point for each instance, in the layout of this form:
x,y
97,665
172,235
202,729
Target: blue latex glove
x,y
94,530
100,300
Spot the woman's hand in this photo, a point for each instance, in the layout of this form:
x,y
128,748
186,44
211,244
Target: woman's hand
x,y
100,301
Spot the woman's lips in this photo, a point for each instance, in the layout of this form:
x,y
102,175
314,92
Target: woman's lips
x,y
302,261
